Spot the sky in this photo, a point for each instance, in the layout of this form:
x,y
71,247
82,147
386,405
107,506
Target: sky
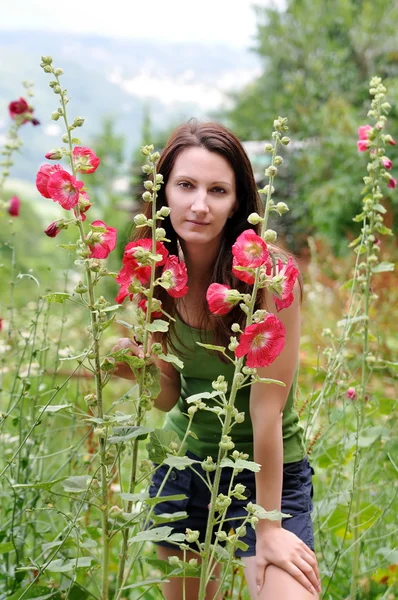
x,y
209,21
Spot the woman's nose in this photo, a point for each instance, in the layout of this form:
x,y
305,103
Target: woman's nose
x,y
199,203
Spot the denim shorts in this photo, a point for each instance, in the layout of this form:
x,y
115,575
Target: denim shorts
x,y
297,495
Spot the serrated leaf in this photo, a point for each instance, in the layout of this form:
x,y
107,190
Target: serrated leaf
x,y
59,297
61,565
158,325
124,434
383,267
76,484
159,444
179,462
171,358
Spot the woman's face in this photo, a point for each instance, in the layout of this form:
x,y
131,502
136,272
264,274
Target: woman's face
x,y
201,193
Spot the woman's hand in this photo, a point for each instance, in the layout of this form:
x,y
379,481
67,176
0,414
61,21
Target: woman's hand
x,y
285,550
122,369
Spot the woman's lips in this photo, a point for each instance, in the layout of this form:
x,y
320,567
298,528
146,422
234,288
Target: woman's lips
x,y
201,223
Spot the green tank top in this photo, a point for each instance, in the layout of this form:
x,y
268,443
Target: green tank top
x,y
200,369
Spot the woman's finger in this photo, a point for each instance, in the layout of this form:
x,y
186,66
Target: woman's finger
x,y
309,571
301,577
310,557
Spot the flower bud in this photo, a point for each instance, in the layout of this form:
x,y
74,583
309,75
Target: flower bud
x,y
174,560
193,562
54,154
208,465
164,211
233,344
47,69
351,393
220,385
221,535
65,138
254,219
271,171
140,219
278,160
90,399
240,417
147,196
226,443
115,511
235,327
285,140
55,115
78,121
57,88
191,536
268,148
81,288
108,364
192,410
148,184
160,234
147,169
270,236
46,60
159,178
281,207
58,72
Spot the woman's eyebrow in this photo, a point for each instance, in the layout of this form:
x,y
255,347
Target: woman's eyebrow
x,y
218,182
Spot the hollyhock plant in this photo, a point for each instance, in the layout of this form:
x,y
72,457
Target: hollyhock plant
x,y
351,393
221,298
262,342
21,112
64,188
102,242
176,276
125,278
53,229
392,183
43,176
250,250
13,206
364,131
290,274
155,314
84,204
85,160
386,162
134,252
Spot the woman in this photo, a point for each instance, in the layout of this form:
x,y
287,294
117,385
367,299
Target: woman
x,y
210,189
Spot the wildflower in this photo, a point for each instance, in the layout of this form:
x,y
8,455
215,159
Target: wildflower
x,y
64,188
290,274
392,183
84,204
363,145
250,250
155,314
221,298
364,131
262,343
43,176
386,162
126,278
175,272
53,155
351,393
13,206
85,160
18,107
134,252
53,229
246,275
103,242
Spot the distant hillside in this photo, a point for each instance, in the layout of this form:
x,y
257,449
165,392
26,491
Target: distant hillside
x,y
113,77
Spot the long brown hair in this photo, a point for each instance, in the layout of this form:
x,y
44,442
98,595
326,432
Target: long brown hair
x,y
216,138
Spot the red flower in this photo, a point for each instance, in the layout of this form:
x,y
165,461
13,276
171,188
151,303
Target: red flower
x,y
43,176
18,107
386,162
1,324
221,298
246,275
124,278
85,160
133,250
290,274
53,229
104,241
392,183
179,277
84,204
363,145
351,393
13,207
364,131
155,314
64,188
250,250
262,343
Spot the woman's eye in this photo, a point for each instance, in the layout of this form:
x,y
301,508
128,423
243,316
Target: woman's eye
x,y
184,184
219,190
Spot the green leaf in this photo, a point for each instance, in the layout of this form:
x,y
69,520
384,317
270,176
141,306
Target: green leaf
x,y
172,570
59,297
67,246
352,321
6,547
39,592
112,308
202,396
61,565
241,464
55,408
39,485
76,484
158,534
159,499
355,242
170,358
124,434
158,325
147,582
179,462
152,380
241,545
271,515
382,229
212,347
169,517
383,267
256,379
380,208
134,362
159,444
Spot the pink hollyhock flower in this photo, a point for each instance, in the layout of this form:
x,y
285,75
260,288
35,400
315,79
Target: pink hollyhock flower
x,y
351,393
104,241
43,176
386,162
64,188
250,250
84,204
262,343
53,229
131,251
392,183
143,304
85,160
290,273
179,277
124,278
1,324
13,207
18,107
221,298
364,131
362,145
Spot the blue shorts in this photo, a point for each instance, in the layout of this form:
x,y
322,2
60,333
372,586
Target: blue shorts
x,y
297,494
